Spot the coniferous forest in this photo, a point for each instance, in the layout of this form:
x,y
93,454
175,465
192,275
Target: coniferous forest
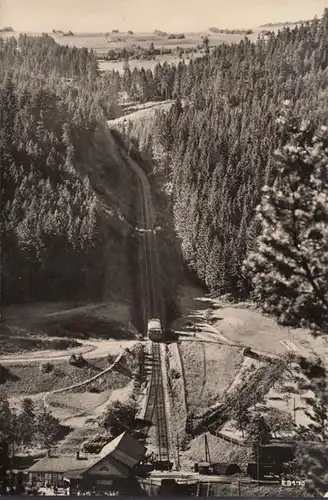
x,y
216,147
220,144
60,222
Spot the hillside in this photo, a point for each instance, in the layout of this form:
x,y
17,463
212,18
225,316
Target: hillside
x,y
219,145
69,197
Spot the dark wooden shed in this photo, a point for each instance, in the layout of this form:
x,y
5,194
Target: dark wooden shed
x,y
226,469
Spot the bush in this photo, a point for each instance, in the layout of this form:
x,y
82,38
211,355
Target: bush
x,y
178,36
95,444
119,417
110,359
174,374
4,374
94,389
77,360
46,367
62,344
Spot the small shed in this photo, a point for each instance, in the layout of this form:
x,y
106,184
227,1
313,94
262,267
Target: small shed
x,y
226,469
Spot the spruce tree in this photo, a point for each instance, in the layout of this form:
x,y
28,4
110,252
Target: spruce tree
x,y
289,265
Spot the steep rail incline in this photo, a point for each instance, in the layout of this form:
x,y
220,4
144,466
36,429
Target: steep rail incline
x,y
153,308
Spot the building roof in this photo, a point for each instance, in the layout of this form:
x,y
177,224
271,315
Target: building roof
x,y
126,449
63,463
116,458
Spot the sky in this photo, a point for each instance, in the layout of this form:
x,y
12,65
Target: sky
x,y
147,15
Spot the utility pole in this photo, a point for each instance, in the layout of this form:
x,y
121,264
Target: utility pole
x,y
207,451
258,462
178,451
294,411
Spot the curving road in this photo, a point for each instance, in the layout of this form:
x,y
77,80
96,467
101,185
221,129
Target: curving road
x,y
91,349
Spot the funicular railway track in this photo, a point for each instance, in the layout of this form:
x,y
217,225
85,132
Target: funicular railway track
x,y
155,409
155,412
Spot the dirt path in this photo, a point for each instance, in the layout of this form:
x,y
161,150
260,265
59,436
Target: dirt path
x,y
91,349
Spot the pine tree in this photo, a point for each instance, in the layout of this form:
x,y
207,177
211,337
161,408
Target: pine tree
x,y
258,433
289,266
26,421
47,426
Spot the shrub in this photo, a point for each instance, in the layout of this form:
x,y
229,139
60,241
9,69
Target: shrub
x,y
46,367
4,373
94,389
174,374
95,444
77,360
119,417
110,358
62,344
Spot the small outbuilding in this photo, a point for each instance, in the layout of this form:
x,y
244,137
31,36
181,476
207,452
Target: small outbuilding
x,y
226,469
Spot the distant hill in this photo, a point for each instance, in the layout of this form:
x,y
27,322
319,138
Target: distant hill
x,y
6,29
286,23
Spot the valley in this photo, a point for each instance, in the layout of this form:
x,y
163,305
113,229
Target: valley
x,y
164,253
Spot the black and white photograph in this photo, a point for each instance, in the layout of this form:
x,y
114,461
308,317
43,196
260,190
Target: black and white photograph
x,y
164,248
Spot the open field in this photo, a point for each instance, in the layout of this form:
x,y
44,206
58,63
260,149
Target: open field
x,y
48,313
141,113
139,63
101,43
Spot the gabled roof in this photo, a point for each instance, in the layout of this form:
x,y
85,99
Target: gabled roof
x,y
63,463
120,455
125,449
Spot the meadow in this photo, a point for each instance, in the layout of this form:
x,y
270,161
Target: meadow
x,y
101,43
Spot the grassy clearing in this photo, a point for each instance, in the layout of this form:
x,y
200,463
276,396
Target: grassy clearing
x,y
67,405
209,371
30,379
138,63
243,324
254,329
102,320
16,341
77,437
102,44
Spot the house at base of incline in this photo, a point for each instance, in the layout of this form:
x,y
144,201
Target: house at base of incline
x,y
110,470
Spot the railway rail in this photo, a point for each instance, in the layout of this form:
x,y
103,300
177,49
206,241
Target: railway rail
x,y
153,307
155,409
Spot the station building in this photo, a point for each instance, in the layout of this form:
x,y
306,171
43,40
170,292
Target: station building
x,y
111,470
